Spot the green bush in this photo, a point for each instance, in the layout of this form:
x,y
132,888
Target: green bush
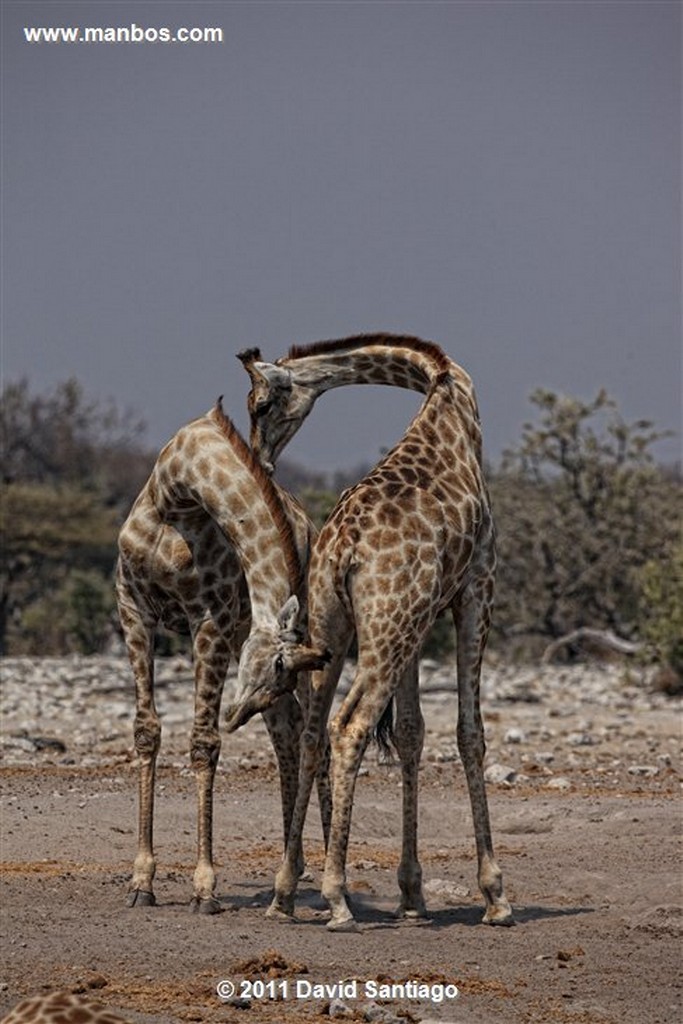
x,y
74,619
662,607
580,508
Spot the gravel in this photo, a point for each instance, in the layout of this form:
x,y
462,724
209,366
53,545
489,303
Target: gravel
x,y
541,721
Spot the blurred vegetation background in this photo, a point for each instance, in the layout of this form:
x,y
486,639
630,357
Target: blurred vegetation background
x,y
589,528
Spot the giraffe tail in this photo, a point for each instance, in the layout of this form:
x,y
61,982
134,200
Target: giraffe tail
x,y
384,734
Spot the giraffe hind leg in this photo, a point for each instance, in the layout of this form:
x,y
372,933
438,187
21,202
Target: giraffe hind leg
x,y
471,616
312,762
139,638
350,732
408,738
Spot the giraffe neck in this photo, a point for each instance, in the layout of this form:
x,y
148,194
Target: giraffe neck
x,y
392,360
447,422
209,468
284,393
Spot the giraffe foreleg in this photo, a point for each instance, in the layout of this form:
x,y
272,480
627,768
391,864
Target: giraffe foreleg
x,y
409,738
211,654
322,775
284,723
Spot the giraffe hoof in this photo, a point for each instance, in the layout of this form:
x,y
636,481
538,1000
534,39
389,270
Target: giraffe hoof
x,y
412,913
345,925
278,911
500,917
205,906
140,898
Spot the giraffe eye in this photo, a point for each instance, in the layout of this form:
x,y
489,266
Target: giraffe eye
x,y
279,664
263,407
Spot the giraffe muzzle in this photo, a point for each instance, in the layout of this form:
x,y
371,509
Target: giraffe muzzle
x,y
238,715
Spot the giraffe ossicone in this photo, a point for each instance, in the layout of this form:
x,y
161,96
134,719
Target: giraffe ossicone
x,y
413,538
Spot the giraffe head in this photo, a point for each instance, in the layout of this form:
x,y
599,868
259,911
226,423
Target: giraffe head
x,y
277,403
269,663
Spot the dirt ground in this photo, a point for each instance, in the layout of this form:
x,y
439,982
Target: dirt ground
x,y
591,867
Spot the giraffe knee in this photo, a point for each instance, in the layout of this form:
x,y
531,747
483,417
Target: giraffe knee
x,y
147,737
312,743
471,741
409,738
204,752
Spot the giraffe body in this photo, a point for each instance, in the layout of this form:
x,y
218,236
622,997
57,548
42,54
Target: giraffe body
x,y
414,538
62,1008
211,545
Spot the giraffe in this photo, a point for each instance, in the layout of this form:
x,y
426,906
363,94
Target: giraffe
x,y
413,538
212,544
62,1008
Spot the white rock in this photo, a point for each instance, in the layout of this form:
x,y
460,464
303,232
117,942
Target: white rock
x,y
374,1012
500,773
449,892
580,739
515,735
559,783
544,756
338,1008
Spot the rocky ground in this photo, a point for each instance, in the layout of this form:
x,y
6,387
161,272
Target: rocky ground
x,y
584,777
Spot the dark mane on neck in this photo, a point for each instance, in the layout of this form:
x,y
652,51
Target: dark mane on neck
x,y
268,491
427,348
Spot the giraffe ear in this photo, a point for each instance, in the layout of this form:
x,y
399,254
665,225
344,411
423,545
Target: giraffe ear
x,y
310,659
261,372
288,616
248,357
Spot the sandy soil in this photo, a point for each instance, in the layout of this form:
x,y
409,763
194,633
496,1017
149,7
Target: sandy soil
x,y
592,869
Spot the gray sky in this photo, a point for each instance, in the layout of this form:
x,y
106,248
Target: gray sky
x,y
502,178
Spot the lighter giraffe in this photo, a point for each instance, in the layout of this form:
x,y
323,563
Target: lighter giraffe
x,y
62,1008
415,537
213,545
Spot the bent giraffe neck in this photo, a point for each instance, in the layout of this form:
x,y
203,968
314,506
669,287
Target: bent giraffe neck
x,y
210,465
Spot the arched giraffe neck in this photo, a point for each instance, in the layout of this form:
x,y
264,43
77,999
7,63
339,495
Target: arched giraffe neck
x,y
392,360
284,393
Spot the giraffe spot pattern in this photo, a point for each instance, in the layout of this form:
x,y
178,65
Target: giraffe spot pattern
x,y
61,1008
